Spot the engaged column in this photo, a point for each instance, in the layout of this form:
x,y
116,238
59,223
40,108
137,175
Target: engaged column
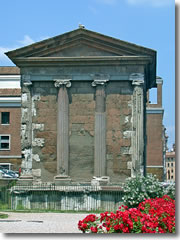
x,y
100,131
62,130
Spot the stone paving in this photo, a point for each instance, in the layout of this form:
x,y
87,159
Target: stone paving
x,y
41,223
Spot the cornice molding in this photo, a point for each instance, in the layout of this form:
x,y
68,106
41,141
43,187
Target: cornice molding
x,y
154,110
10,77
98,60
10,101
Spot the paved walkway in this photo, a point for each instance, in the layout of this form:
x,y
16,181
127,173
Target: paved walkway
x,y
41,223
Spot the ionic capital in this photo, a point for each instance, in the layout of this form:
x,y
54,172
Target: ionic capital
x,y
99,82
26,80
62,82
137,79
159,80
100,79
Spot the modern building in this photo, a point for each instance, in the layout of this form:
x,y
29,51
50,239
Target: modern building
x,y
156,135
10,117
171,165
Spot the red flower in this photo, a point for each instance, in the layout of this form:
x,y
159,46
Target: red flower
x,y
84,225
151,216
94,229
107,228
116,227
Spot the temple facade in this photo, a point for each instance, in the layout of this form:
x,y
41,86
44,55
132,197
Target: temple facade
x,y
83,108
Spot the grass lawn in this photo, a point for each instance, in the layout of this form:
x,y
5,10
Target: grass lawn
x,y
2,215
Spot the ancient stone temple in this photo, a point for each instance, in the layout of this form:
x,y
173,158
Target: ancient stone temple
x,y
83,108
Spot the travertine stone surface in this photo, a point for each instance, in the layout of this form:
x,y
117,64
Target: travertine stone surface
x,y
26,125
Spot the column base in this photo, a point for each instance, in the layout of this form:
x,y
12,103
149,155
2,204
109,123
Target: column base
x,y
100,181
26,179
62,180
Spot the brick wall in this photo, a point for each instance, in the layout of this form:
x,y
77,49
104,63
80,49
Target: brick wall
x,y
156,171
10,92
118,121
81,130
154,143
13,129
82,107
154,140
45,108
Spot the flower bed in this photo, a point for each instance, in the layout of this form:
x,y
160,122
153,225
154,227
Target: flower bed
x,y
151,216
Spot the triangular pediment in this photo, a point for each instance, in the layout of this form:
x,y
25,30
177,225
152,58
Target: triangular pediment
x,y
81,50
80,42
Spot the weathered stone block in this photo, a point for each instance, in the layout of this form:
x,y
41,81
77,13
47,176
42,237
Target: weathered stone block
x,y
38,126
36,173
36,157
129,165
38,142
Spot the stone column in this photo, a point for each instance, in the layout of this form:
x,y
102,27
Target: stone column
x,y
26,129
138,124
100,130
62,131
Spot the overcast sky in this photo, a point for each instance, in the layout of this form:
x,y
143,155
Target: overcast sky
x,y
150,23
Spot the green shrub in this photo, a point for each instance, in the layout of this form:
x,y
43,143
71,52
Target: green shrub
x,y
139,188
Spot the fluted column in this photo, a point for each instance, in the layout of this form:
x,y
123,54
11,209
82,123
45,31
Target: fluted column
x,y
138,124
62,128
100,128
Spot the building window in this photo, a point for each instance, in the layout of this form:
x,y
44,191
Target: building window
x,y
171,164
168,174
4,142
5,118
168,164
172,170
171,177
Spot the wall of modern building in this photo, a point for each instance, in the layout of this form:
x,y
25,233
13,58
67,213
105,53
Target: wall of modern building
x,y
156,138
171,165
10,117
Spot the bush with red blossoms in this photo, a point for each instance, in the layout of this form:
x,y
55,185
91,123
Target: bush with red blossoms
x,y
151,216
